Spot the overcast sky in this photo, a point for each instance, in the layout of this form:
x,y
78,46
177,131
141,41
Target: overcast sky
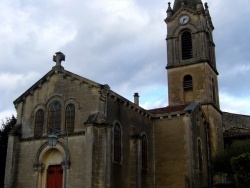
x,y
115,42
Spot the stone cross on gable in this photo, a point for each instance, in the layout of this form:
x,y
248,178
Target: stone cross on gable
x,y
58,58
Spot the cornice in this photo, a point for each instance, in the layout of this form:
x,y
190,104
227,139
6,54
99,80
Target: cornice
x,y
128,104
192,63
45,137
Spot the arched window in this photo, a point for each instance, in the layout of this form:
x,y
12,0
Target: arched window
x,y
186,45
188,82
39,120
199,155
70,118
213,88
208,48
54,116
117,143
144,152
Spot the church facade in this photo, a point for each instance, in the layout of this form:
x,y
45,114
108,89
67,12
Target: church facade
x,y
101,139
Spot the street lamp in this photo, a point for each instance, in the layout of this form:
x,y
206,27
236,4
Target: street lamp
x,y
52,140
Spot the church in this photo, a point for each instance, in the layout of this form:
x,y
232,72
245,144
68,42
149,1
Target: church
x,y
74,132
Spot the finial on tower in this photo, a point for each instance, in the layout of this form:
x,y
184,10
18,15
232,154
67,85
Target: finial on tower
x,y
206,5
58,58
169,10
206,9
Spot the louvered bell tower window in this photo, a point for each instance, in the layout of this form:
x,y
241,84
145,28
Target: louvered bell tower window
x,y
186,45
188,82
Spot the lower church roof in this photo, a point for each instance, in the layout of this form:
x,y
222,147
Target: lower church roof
x,y
235,125
168,109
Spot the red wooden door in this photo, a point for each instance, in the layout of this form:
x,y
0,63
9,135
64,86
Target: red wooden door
x,y
54,176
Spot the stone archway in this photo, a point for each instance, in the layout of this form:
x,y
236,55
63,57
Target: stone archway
x,y
47,156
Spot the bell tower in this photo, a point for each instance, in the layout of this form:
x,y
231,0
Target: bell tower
x,y
191,66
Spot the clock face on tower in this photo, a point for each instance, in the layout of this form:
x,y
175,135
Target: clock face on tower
x,y
184,19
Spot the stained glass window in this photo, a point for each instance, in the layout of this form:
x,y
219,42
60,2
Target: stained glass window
x,y
70,118
54,116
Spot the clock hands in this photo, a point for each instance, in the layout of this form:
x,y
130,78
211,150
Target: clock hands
x,y
183,20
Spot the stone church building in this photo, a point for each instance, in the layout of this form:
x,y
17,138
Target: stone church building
x,y
74,132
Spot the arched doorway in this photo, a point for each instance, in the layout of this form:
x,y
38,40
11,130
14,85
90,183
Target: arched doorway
x,y
52,164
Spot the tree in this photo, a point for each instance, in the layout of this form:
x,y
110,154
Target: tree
x,y
4,130
241,168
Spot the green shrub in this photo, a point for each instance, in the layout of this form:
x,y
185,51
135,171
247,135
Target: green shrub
x,y
221,163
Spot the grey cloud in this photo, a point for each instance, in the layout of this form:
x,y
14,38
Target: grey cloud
x,y
123,47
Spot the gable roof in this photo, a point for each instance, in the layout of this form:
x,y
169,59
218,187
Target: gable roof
x,y
111,94
56,70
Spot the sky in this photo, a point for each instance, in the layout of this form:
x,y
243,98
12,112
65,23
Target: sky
x,y
116,42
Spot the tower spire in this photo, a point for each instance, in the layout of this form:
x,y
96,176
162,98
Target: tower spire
x,y
189,3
